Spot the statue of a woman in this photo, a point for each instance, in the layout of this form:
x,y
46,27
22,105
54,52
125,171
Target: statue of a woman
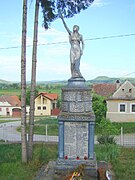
x,y
76,50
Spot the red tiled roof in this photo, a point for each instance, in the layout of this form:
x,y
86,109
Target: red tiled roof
x,y
51,96
12,100
104,89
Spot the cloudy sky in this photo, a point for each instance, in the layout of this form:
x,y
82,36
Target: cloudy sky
x,y
113,57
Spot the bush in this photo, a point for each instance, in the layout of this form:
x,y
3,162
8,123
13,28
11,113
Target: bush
x,y
107,132
99,107
105,139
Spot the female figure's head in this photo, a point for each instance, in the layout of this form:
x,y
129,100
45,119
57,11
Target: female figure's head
x,y
75,28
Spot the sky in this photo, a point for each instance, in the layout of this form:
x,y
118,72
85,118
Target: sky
x,y
112,57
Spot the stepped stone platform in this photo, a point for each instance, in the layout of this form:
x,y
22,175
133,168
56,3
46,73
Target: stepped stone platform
x,y
49,172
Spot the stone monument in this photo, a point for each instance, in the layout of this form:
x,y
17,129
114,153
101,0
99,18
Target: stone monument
x,y
76,120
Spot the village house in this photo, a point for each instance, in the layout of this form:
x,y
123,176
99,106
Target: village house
x,y
10,106
46,104
120,99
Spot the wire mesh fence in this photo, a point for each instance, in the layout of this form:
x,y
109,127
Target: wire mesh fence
x,y
12,133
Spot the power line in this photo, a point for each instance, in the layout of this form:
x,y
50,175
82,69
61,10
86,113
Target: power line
x,y
89,39
128,74
109,37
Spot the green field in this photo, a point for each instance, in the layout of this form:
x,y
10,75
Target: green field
x,y
10,92
50,88
52,124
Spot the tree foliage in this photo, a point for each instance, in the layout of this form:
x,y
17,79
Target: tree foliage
x,y
28,95
68,8
99,107
107,132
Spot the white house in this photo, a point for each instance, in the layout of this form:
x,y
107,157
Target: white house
x,y
11,106
121,105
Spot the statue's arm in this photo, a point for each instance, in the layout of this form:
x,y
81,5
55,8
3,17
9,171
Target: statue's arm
x,y
68,30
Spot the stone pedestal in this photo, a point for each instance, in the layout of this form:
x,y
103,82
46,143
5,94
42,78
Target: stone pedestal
x,y
76,127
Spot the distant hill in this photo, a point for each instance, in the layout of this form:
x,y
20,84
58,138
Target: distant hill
x,y
97,80
4,82
108,80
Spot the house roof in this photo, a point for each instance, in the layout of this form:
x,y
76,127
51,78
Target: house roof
x,y
116,91
104,89
51,96
12,100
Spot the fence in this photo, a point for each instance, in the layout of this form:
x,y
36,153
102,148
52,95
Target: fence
x,y
9,133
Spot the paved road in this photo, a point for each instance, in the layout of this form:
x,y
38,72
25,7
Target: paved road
x,y
8,132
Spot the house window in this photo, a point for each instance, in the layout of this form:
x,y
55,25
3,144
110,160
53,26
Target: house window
x,y
130,90
53,105
0,109
44,107
7,109
132,107
39,107
122,108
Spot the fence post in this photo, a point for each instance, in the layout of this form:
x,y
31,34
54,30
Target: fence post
x,y
5,133
46,133
121,137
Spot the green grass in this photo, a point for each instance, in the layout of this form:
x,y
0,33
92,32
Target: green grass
x,y
107,152
52,126
10,92
40,126
46,120
128,127
122,160
11,167
124,165
5,121
52,130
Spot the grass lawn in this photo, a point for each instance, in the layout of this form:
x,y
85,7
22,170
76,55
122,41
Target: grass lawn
x,y
40,126
124,165
5,121
52,126
128,127
11,167
10,92
122,160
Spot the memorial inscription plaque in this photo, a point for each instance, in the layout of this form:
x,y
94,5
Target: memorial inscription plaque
x,y
76,139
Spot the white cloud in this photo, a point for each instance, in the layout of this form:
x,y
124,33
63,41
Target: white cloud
x,y
99,3
10,67
89,71
51,36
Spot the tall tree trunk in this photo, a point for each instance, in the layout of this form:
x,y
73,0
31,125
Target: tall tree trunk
x,y
33,82
23,84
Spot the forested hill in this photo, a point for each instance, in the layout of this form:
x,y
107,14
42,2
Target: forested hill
x,y
97,80
108,80
4,82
